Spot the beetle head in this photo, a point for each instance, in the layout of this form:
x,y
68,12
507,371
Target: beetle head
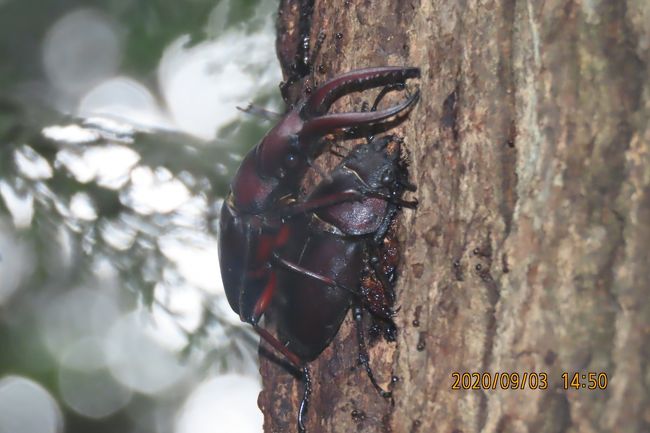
x,y
379,163
287,150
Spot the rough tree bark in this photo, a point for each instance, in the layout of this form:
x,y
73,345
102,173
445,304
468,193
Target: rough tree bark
x,y
529,251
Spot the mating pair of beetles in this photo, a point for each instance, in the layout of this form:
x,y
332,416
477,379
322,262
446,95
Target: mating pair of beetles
x,y
303,256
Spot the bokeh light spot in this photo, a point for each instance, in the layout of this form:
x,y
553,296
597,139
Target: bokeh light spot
x,y
27,407
81,49
225,403
137,361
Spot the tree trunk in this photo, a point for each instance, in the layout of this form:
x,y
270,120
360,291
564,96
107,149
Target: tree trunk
x,y
529,251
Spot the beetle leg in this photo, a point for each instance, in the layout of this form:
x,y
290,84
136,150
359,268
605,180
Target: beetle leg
x,y
260,307
265,298
293,267
310,56
411,204
306,272
277,345
374,262
295,361
363,353
301,63
380,96
304,403
321,202
409,186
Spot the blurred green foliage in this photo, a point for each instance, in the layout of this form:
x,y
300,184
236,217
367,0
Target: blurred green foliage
x,y
146,27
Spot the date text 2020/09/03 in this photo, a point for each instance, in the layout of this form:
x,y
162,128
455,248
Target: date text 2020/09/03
x,y
526,380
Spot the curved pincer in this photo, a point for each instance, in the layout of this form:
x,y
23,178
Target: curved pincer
x,y
318,123
322,125
324,96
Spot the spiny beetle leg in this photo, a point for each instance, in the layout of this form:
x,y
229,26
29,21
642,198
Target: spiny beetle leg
x,y
306,272
260,307
363,352
304,403
411,204
299,365
380,234
376,267
265,298
380,96
311,56
301,64
281,348
295,362
319,203
293,267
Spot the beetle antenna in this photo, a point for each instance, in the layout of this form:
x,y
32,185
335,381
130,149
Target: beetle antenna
x,y
258,111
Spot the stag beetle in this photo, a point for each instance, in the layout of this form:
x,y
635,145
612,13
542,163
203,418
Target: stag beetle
x,y
324,261
264,190
268,180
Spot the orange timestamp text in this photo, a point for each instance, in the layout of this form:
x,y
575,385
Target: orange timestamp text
x,y
591,380
499,380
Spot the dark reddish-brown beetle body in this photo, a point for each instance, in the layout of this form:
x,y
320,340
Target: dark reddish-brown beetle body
x,y
333,245
270,175
309,311
257,246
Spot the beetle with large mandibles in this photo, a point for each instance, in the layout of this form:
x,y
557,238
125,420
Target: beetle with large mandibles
x,y
269,178
264,193
324,262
